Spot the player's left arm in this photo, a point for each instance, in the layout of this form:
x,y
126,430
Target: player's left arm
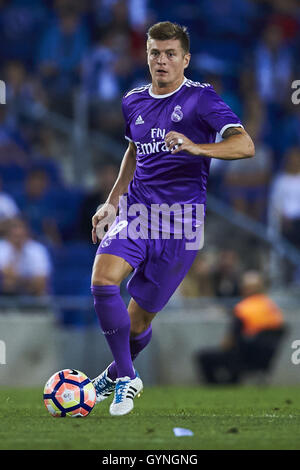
x,y
236,144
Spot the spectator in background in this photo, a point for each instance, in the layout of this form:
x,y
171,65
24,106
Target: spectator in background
x,y
38,204
226,274
247,182
14,156
21,24
229,95
105,178
225,29
61,51
253,339
44,155
118,58
25,264
19,93
231,19
113,12
284,214
213,275
106,72
25,96
285,13
198,281
273,65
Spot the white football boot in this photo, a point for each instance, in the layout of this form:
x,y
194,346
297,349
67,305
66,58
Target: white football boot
x,y
126,390
104,386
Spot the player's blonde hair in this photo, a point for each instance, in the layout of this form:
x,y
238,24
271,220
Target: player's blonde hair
x,y
166,30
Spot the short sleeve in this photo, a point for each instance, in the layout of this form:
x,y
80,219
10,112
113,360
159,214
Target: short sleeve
x,y
8,207
128,135
40,260
215,112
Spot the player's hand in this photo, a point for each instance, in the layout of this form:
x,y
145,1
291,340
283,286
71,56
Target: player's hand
x,y
177,142
102,220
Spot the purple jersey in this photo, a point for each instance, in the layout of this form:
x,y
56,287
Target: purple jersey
x,y
196,111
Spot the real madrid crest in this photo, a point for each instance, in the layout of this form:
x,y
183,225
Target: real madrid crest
x,y
177,114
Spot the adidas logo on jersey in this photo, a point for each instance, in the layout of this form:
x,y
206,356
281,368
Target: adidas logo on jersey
x,y
139,120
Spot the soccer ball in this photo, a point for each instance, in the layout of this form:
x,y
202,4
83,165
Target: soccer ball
x,y
69,393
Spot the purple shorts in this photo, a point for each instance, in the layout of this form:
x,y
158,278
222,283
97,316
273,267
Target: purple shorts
x,y
159,266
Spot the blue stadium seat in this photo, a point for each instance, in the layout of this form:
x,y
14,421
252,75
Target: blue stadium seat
x,y
72,268
12,177
72,277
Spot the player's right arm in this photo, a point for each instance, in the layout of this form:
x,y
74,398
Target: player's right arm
x,y
120,187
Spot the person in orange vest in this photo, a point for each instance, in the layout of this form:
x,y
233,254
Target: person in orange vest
x,y
255,332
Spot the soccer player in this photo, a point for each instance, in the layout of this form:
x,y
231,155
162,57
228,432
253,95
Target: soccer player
x,y
172,126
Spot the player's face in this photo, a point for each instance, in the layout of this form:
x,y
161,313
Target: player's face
x,y
166,61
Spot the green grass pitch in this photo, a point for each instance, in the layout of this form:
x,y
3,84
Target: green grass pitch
x,y
220,418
